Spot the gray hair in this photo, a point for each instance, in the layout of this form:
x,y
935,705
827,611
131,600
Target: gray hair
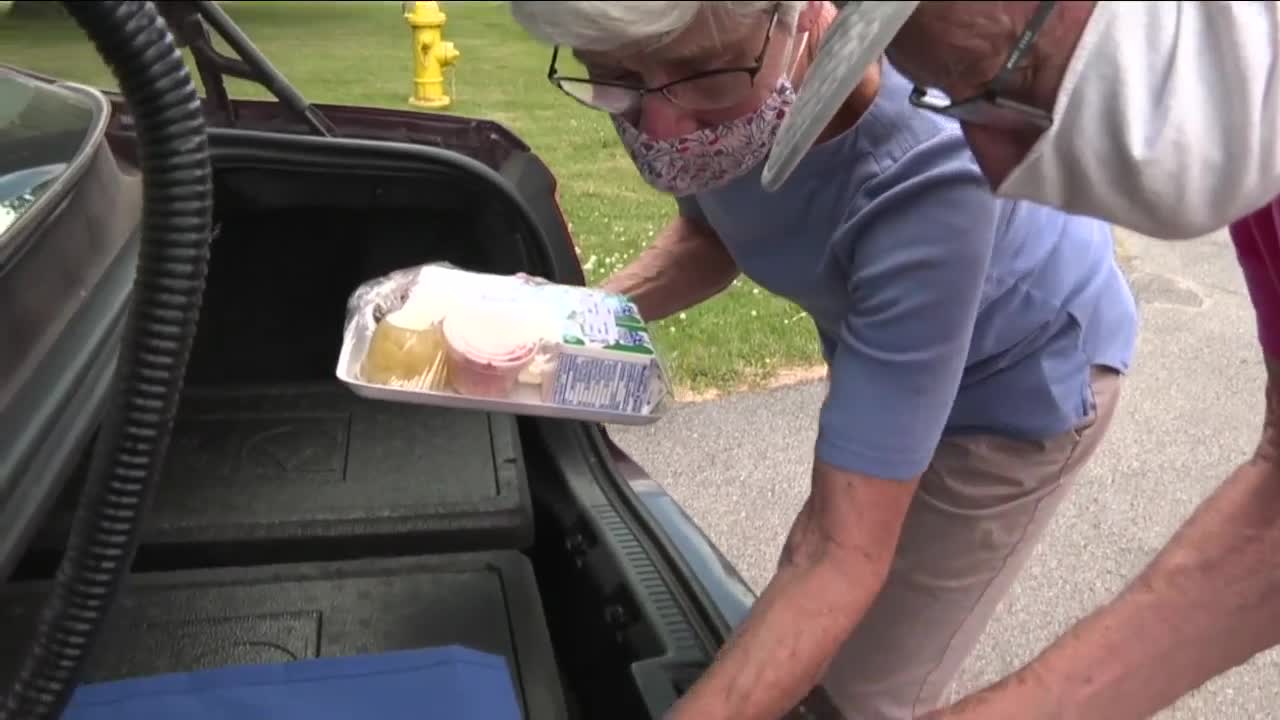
x,y
605,25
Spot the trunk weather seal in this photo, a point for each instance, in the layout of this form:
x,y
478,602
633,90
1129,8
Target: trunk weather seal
x,y
625,495
86,351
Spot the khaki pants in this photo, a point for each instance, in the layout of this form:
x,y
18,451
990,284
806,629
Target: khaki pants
x,y
981,508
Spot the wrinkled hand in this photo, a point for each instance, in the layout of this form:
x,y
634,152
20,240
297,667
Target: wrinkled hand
x,y
678,711
974,707
531,279
1014,698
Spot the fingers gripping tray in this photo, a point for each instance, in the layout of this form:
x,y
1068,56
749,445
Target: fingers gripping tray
x,y
294,466
454,636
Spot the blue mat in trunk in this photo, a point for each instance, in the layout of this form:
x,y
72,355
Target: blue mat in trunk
x,y
431,684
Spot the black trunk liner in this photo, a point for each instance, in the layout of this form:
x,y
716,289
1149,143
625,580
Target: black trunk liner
x,y
190,620
314,465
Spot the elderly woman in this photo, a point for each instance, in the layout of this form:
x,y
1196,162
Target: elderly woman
x,y
976,346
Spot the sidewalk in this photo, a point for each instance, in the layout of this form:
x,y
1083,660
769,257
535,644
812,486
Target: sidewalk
x,y
1189,414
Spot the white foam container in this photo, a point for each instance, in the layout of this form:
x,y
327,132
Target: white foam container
x,y
526,399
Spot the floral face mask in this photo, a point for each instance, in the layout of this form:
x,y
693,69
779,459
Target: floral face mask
x,y
711,157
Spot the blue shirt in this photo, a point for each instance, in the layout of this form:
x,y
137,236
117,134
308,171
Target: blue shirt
x,y
941,308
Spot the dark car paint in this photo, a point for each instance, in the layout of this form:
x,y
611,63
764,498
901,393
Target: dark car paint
x,y
727,590
62,306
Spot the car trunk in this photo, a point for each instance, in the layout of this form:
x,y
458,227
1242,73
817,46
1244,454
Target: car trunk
x,y
297,520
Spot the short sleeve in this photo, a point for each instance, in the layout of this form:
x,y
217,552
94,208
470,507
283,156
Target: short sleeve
x,y
688,207
921,247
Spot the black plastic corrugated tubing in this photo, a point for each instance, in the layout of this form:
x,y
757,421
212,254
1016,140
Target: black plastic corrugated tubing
x,y
173,149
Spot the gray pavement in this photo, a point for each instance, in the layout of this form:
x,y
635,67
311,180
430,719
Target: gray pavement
x,y
1189,413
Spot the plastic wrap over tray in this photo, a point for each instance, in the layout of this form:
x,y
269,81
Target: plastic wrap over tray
x,y
440,335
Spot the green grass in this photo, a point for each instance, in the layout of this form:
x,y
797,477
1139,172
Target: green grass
x,y
358,53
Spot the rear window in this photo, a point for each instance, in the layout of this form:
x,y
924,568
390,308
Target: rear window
x,y
42,130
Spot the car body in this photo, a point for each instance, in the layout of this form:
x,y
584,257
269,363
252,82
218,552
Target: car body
x,y
67,256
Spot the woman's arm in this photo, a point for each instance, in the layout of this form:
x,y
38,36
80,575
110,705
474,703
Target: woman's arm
x,y
836,558
1209,602
923,246
685,265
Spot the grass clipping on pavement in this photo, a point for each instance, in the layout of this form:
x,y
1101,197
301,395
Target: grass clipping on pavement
x,y
359,53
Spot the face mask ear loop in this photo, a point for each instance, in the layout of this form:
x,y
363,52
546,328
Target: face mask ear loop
x,y
795,59
804,41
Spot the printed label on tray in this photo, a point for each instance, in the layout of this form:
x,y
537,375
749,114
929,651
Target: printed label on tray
x,y
625,312
596,320
598,356
632,341
602,384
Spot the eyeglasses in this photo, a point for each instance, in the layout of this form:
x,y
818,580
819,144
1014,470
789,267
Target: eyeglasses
x,y
707,90
989,107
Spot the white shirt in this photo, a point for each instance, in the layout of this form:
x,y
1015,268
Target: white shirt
x,y
1166,121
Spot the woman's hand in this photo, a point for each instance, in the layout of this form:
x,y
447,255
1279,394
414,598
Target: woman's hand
x,y
1025,695
683,266
532,279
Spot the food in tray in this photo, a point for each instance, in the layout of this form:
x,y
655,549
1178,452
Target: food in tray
x,y
541,370
581,350
407,349
489,345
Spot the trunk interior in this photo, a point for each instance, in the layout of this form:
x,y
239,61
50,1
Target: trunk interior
x,y
297,520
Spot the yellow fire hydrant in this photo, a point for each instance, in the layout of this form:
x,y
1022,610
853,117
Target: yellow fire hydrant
x,y
431,55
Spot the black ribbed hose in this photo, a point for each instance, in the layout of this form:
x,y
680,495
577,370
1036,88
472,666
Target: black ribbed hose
x,y
134,41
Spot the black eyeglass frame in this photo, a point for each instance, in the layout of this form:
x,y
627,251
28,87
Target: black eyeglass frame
x,y
556,79
989,107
